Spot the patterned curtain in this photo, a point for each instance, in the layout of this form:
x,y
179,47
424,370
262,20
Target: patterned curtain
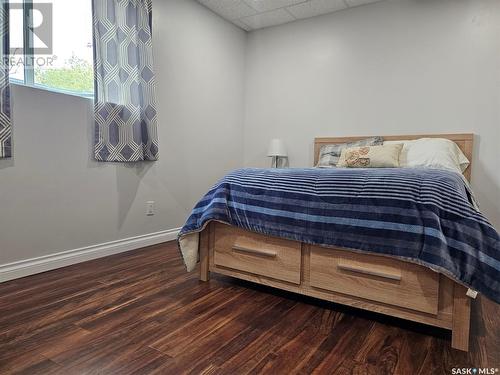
x,y
5,123
125,104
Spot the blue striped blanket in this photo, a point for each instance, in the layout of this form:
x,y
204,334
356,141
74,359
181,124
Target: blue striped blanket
x,y
419,215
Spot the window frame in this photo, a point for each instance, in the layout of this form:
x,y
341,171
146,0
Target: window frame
x,y
28,54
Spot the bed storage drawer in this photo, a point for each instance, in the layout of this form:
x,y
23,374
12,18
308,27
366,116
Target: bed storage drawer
x,y
375,278
257,254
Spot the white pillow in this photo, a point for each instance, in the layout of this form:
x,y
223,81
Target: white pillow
x,y
439,153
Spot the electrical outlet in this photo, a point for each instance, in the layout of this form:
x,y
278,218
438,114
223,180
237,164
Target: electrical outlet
x,y
150,208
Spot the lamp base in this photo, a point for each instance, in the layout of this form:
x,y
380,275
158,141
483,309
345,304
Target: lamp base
x,y
277,162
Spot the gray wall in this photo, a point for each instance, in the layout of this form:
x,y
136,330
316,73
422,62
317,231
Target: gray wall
x,y
54,197
395,67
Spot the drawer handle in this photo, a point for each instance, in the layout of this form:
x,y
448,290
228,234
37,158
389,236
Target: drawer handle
x,y
367,271
265,253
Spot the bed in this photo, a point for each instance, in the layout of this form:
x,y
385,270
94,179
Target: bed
x,y
393,284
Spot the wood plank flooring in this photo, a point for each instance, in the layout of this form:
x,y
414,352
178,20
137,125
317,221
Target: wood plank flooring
x,y
141,313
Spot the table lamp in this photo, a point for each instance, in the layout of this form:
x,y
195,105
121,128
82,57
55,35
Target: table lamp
x,y
276,150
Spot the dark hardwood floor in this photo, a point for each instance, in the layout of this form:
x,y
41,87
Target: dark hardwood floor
x,y
141,313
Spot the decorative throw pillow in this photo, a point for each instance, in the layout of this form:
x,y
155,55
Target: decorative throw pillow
x,y
329,154
386,156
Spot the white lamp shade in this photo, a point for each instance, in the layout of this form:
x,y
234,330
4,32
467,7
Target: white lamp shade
x,y
277,148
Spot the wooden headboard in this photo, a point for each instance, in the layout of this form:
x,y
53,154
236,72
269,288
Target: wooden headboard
x,y
464,141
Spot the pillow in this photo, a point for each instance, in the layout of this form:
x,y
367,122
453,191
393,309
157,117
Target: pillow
x,y
329,154
403,157
386,156
438,153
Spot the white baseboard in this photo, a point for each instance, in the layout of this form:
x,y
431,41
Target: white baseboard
x,y
32,266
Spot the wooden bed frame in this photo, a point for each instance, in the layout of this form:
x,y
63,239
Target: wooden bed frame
x,y
370,282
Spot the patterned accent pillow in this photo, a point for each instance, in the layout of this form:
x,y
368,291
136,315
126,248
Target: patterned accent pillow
x,y
329,154
386,156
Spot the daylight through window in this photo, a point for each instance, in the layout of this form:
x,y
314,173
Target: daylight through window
x,y
48,48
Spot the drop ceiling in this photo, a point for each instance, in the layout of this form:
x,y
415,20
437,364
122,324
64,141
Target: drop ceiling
x,y
257,14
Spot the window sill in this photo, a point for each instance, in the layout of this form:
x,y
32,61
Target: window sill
x,y
52,89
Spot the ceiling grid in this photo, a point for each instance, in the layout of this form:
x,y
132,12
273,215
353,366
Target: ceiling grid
x,y
257,14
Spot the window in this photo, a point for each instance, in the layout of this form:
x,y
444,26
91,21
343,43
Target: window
x,y
51,45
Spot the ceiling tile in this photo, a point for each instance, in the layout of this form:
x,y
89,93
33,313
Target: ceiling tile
x,y
241,25
355,3
229,9
267,5
272,18
315,8
256,14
